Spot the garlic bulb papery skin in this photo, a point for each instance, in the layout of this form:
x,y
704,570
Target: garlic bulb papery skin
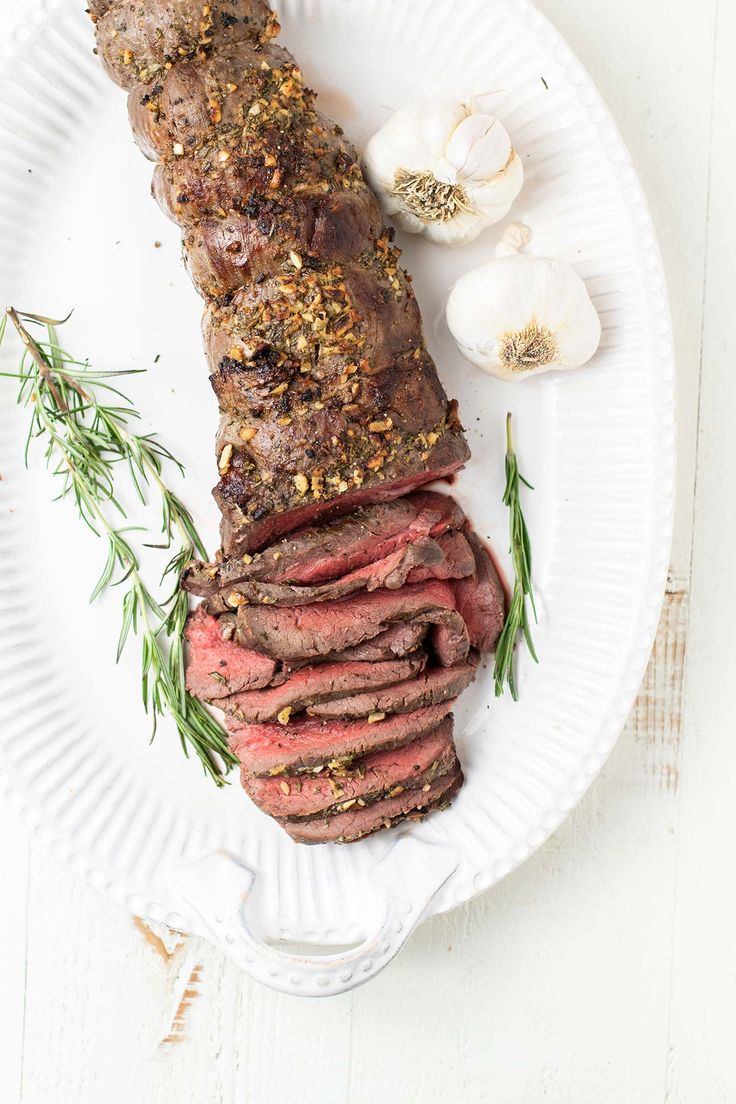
x,y
444,170
519,316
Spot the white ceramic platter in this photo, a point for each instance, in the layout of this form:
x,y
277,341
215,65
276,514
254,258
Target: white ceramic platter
x,y
77,229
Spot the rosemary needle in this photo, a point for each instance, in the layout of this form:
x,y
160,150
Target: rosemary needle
x,y
517,619
87,425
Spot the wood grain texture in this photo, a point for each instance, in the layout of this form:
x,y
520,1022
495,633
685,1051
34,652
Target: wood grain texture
x,y
656,722
603,970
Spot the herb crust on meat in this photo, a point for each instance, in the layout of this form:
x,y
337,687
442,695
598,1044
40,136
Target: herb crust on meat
x,y
329,398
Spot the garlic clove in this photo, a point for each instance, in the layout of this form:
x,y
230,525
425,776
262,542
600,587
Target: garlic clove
x,y
564,301
435,124
413,138
579,336
515,237
463,228
494,200
480,148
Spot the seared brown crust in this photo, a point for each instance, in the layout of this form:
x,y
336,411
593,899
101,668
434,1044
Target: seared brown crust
x,y
259,508
224,254
328,395
139,40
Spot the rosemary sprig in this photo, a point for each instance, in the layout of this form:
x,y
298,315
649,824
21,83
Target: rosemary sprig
x,y
517,618
88,427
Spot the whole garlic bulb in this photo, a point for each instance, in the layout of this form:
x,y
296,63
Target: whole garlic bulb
x,y
519,316
444,170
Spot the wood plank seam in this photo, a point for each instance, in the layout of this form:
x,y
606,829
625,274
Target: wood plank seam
x,y
656,722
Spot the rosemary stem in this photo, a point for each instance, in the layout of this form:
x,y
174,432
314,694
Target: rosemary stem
x,y
517,618
86,438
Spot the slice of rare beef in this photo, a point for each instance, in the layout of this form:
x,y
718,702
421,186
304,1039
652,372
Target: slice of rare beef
x,y
318,684
425,688
358,822
481,599
278,749
217,667
414,764
391,572
336,548
306,631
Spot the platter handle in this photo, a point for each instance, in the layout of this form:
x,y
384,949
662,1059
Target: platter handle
x,y
403,883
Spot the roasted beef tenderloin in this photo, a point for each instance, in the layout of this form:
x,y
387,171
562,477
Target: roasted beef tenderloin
x,y
333,550
304,631
312,685
331,411
360,821
329,397
392,572
380,774
422,689
276,749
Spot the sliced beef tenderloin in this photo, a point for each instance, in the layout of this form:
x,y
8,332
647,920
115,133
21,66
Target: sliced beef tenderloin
x,y
306,631
318,684
457,561
360,821
375,776
307,743
481,599
400,640
425,688
397,642
391,573
449,557
335,549
217,667
329,399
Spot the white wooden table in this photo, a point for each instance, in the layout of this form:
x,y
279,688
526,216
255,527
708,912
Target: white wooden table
x,y
602,972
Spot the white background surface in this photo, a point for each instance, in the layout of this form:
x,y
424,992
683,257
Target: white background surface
x,y
603,971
